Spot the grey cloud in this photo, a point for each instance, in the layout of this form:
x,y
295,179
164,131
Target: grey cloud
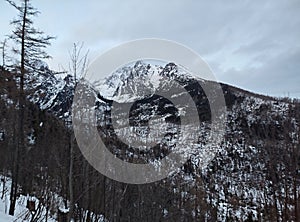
x,y
277,77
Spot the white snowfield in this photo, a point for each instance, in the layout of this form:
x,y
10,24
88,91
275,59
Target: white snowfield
x,y
4,217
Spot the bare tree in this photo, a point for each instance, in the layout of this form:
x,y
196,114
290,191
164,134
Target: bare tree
x,y
78,67
79,61
30,45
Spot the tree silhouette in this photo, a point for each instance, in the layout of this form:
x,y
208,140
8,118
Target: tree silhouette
x,y
29,45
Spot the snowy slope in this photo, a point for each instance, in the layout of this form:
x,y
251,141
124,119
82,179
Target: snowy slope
x,y
251,175
21,212
256,126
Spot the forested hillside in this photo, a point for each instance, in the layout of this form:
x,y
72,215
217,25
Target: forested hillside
x,y
254,177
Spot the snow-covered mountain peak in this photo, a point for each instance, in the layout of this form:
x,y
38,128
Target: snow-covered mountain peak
x,y
139,80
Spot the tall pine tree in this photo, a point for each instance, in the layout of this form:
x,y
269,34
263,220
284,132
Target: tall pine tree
x,y
30,44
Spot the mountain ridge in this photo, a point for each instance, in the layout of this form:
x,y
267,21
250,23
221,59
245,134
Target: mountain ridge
x,y
253,177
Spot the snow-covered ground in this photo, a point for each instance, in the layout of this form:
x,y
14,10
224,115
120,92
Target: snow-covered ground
x,y
22,214
4,217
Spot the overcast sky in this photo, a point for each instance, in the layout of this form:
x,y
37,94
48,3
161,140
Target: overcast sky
x,y
251,44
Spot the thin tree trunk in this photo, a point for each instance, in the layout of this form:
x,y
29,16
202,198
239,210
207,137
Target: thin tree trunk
x,y
20,145
295,200
71,212
3,188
